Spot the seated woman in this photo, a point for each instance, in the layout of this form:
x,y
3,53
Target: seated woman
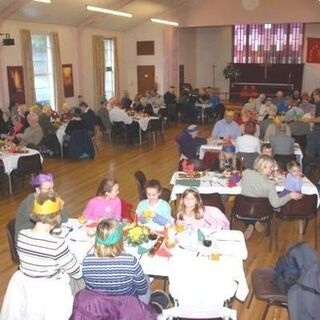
x,y
154,211
76,122
40,289
43,182
192,212
227,159
106,204
256,183
110,270
144,107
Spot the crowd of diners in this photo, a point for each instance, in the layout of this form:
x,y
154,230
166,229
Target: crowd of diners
x,y
47,262
261,140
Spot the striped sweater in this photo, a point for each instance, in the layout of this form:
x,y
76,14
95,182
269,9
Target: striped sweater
x,y
44,256
120,275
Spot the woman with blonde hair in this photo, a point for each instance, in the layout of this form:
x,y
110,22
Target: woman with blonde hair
x,y
109,269
192,212
256,183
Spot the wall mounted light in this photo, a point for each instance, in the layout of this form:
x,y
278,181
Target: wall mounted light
x,y
7,41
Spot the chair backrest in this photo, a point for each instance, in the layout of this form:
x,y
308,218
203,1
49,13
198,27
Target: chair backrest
x,y
11,240
299,209
99,123
29,164
155,125
198,164
283,159
247,158
165,194
118,127
213,200
209,159
249,207
302,140
91,305
141,181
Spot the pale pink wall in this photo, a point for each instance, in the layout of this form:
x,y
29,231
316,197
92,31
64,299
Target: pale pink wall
x,y
228,12
69,47
187,53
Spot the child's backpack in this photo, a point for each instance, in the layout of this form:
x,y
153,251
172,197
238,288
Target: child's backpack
x,y
287,270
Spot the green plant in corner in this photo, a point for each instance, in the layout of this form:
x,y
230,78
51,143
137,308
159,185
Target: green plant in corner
x,y
231,71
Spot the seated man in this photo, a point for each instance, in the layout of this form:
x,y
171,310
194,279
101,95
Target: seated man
x,y
40,183
189,142
226,128
281,143
33,134
274,127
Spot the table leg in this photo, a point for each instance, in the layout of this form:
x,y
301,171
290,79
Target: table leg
x,y
10,183
140,135
202,115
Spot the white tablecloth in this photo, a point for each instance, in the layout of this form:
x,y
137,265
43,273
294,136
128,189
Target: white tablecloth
x,y
217,148
230,244
10,160
213,182
60,133
143,122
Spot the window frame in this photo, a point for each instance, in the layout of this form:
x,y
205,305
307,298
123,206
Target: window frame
x,y
107,92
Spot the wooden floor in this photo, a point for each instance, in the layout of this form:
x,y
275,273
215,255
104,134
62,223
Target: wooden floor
x,y
76,182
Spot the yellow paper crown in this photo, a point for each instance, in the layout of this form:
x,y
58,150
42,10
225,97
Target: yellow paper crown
x,y
230,113
48,207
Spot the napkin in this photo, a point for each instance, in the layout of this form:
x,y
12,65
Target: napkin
x,y
188,182
201,235
142,250
163,252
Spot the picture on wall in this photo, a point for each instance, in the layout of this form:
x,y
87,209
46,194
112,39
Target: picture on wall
x,y
313,50
67,80
16,84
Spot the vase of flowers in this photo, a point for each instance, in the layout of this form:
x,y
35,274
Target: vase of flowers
x,y
231,71
137,234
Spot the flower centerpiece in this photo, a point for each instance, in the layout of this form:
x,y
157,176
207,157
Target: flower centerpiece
x,y
231,71
136,234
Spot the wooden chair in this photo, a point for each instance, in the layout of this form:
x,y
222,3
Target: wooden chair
x,y
250,209
213,200
264,289
140,181
303,209
98,134
11,240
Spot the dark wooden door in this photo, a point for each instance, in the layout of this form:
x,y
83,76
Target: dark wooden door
x,y
146,78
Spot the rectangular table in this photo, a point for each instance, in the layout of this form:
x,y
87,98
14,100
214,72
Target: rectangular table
x,y
218,147
213,182
231,245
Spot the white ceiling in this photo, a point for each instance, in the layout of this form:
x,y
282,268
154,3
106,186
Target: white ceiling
x,y
73,12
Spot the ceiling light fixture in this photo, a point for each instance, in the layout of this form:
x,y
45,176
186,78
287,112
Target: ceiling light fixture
x,y
103,10
171,23
43,1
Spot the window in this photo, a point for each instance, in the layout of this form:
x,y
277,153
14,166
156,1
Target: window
x,y
268,43
42,68
109,82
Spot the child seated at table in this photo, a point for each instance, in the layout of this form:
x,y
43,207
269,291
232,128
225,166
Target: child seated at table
x,y
106,203
154,211
192,212
227,158
109,270
40,289
293,180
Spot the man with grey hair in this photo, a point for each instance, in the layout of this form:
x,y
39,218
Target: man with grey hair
x,y
33,134
281,143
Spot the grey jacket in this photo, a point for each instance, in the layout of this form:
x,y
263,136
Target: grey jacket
x,y
305,303
256,185
282,144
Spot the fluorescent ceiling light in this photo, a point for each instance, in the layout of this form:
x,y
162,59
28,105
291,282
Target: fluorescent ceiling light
x,y
43,1
103,10
171,23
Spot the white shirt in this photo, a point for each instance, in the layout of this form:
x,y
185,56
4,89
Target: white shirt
x,y
117,115
248,144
